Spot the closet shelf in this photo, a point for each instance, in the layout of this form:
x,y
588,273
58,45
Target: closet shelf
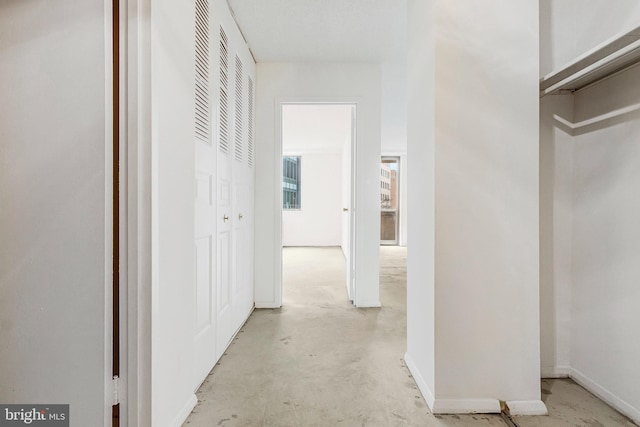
x,y
612,56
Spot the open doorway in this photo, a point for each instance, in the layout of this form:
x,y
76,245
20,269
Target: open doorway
x,y
389,200
318,141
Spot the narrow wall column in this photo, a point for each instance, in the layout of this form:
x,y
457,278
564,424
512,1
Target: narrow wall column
x,y
485,299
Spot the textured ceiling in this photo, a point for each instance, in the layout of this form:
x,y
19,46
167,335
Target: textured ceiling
x,y
323,30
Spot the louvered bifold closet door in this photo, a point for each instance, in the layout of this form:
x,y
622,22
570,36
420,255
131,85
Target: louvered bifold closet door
x,y
226,318
204,212
248,166
235,128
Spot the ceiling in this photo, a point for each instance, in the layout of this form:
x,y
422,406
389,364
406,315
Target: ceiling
x,y
323,30
315,128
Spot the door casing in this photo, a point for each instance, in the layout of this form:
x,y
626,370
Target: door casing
x,y
278,152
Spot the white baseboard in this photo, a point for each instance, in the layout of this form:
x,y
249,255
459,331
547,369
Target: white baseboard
x,y
527,407
369,304
184,413
555,372
267,305
466,406
450,406
420,382
606,395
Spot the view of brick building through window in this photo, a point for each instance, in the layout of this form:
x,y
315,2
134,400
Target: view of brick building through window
x,y
291,182
389,201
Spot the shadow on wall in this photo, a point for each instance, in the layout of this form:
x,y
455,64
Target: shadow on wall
x,y
600,122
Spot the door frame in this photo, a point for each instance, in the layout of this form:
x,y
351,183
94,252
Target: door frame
x,y
138,236
278,152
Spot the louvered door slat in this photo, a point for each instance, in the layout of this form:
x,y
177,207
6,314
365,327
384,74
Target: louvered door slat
x,y
224,92
250,118
202,125
239,116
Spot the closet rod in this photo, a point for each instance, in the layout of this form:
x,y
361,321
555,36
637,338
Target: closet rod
x,y
610,57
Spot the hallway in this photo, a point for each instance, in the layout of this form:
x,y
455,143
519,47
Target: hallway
x,y
320,362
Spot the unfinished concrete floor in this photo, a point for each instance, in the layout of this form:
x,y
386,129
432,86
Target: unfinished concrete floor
x,y
318,361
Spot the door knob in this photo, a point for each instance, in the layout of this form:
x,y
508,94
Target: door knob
x,y
345,209
225,218
240,216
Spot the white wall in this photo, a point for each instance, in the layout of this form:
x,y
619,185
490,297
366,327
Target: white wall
x,y
174,294
320,134
173,281
329,83
572,27
487,253
589,247
556,171
319,220
55,256
486,204
394,129
174,299
394,106
316,128
606,243
420,356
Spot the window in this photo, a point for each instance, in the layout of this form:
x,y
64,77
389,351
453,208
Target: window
x,y
291,182
389,168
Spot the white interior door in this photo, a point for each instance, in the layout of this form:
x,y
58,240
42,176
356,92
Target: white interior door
x,y
205,178
243,253
224,154
348,206
204,239
224,214
235,188
242,198
248,208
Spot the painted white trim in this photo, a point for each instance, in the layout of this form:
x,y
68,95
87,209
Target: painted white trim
x,y
277,276
184,413
108,215
136,196
123,392
302,152
593,387
605,395
527,407
555,372
352,276
470,406
368,304
420,382
267,305
466,406
277,258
